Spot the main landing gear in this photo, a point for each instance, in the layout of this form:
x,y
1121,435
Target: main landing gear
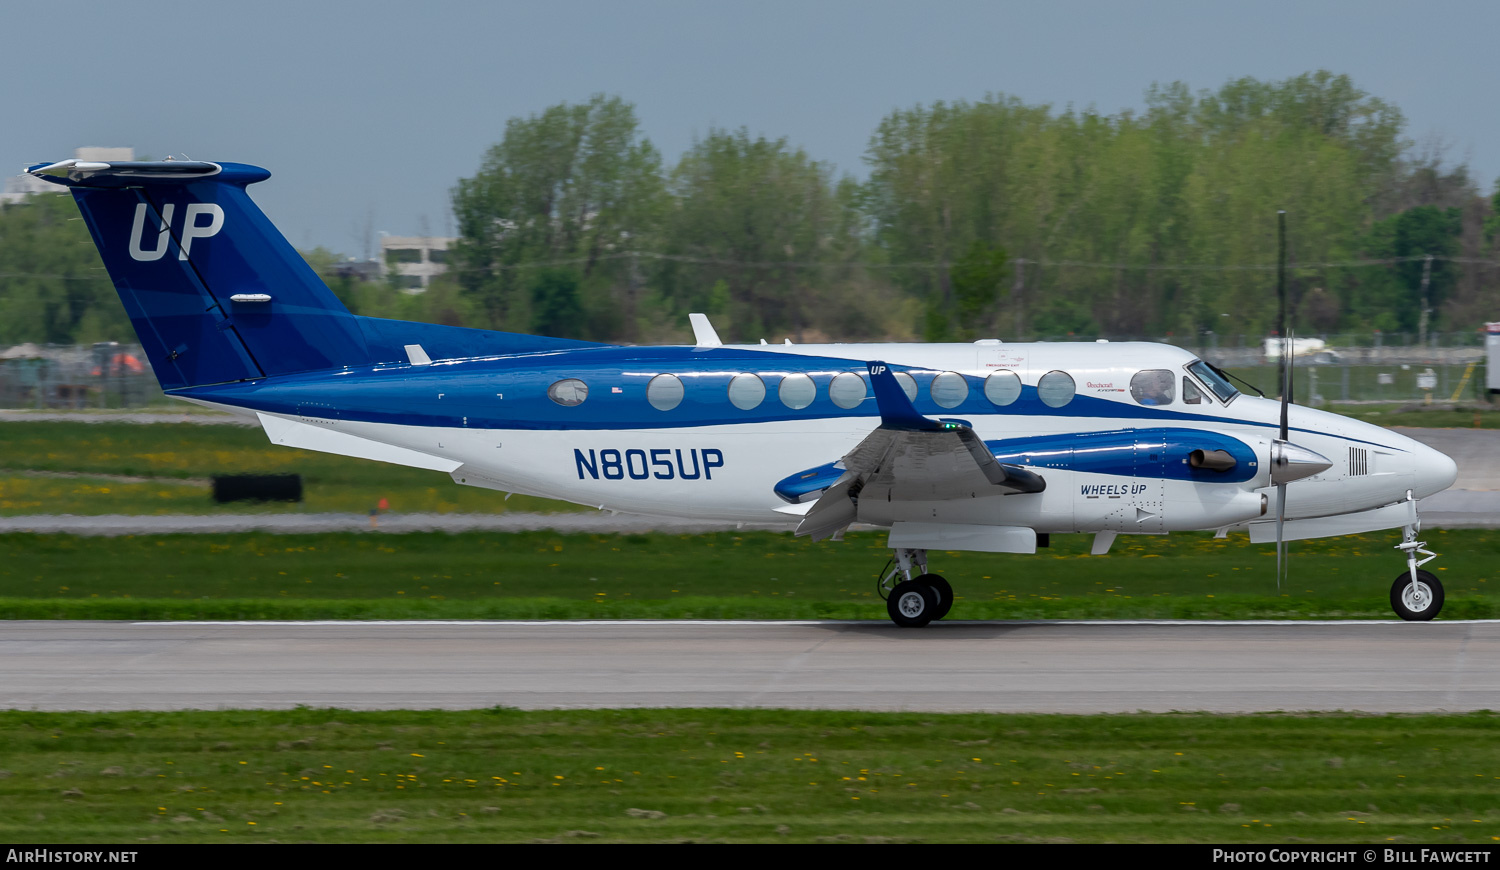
x,y
1416,595
915,600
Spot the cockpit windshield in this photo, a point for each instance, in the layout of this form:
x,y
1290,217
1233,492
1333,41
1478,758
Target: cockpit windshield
x,y
1216,382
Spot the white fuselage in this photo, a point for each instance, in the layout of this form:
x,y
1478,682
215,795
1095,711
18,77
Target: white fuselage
x,y
1371,466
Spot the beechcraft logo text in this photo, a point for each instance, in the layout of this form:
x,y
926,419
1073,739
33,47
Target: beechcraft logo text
x,y
202,221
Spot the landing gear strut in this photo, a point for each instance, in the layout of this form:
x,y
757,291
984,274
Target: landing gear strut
x,y
920,597
1416,595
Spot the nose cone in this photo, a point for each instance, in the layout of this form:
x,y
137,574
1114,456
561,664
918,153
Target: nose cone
x,y
1434,471
1290,462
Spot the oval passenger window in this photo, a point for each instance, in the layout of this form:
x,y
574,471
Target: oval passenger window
x,y
1055,389
664,392
1002,388
746,392
949,390
568,392
797,391
847,390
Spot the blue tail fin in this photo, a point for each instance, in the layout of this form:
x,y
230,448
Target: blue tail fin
x,y
214,291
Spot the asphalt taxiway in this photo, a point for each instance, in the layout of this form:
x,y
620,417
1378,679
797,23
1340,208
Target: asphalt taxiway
x,y
1053,667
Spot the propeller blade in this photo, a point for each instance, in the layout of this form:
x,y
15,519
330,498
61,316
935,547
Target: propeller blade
x,y
1286,388
1286,337
1280,529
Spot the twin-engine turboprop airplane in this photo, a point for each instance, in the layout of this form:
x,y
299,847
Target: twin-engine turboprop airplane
x,y
987,446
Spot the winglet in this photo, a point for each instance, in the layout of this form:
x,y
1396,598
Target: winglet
x,y
703,331
896,411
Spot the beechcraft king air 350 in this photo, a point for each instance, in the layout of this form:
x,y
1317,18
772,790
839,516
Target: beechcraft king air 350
x,y
987,447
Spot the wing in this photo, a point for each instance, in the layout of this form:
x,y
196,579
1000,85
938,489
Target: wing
x,y
915,456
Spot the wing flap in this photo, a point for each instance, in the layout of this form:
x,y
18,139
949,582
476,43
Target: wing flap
x,y
832,513
909,457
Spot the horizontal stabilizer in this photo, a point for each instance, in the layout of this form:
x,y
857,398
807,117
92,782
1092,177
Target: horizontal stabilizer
x,y
292,433
118,173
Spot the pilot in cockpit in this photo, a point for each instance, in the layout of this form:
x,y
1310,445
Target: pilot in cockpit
x,y
1156,388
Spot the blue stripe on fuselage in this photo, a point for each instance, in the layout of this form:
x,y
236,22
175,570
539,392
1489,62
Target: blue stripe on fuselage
x,y
510,392
1133,453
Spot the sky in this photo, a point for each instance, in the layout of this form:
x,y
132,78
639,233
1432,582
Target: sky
x,y
367,113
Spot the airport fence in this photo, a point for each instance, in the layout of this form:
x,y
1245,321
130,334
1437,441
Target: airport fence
x,y
74,377
1449,367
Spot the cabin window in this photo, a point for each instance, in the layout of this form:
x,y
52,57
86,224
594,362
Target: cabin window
x,y
847,390
746,392
1214,380
1056,389
908,385
1154,387
949,390
797,391
665,392
1191,394
568,392
1002,388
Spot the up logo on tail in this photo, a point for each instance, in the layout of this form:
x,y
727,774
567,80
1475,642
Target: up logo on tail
x,y
192,228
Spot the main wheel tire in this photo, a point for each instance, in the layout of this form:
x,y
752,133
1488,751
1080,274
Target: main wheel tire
x,y
911,604
1420,601
941,589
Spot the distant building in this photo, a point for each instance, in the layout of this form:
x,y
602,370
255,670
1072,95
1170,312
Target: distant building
x,y
411,262
17,188
100,154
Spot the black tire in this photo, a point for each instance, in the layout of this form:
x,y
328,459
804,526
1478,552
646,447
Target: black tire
x,y
911,604
1417,607
941,590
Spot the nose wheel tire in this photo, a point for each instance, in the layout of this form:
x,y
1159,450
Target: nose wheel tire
x,y
941,590
1419,601
912,604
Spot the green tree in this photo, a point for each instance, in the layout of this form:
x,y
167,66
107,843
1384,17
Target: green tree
x,y
976,277
1410,237
53,287
1147,218
555,306
575,184
768,229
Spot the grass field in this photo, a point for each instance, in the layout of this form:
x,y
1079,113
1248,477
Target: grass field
x,y
168,466
745,776
722,575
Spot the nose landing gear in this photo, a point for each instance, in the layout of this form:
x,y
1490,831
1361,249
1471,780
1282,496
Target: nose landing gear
x,y
1416,595
1417,599
916,600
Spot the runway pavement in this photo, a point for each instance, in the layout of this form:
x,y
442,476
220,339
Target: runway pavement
x,y
1062,667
